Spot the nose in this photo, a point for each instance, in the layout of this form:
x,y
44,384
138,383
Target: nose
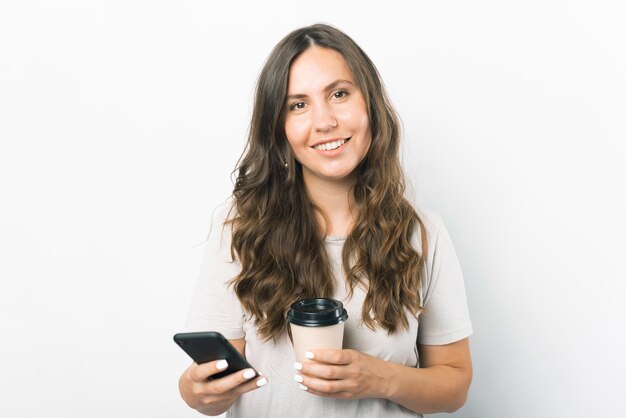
x,y
325,119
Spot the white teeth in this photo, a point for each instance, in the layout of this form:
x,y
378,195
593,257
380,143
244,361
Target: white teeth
x,y
330,145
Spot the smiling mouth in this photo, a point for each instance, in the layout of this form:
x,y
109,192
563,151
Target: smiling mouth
x,y
329,146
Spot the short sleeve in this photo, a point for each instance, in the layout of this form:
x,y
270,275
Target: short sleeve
x,y
445,318
214,305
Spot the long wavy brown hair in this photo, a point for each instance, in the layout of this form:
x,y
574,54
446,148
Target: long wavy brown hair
x,y
275,235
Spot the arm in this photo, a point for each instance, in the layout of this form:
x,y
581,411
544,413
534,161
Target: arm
x,y
440,385
215,307
240,345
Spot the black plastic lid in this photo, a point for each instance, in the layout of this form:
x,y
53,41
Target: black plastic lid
x,y
317,312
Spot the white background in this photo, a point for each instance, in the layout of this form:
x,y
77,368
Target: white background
x,y
121,121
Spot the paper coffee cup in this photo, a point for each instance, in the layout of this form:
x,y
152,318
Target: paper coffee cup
x,y
316,323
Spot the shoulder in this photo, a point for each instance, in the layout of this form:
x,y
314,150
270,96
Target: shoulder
x,y
431,219
223,211
439,248
432,224
220,230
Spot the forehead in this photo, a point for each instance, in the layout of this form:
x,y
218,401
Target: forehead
x,y
315,68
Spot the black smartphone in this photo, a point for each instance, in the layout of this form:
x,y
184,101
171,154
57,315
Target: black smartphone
x,y
203,347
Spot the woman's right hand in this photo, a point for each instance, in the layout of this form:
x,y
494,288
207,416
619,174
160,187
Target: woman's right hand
x,y
213,397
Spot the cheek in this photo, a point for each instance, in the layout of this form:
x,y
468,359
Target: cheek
x,y
364,128
361,124
357,118
365,123
296,131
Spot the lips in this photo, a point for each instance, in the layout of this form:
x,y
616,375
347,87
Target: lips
x,y
330,144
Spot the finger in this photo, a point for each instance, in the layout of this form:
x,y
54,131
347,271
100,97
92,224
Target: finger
x,y
250,386
330,356
230,382
321,385
324,371
201,372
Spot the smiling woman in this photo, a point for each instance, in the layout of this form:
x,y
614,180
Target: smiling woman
x,y
318,211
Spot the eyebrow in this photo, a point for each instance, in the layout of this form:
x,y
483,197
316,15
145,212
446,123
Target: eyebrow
x,y
327,88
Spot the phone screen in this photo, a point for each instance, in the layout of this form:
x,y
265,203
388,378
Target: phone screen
x,y
203,347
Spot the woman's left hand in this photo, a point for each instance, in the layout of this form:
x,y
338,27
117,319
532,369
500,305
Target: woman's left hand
x,y
346,374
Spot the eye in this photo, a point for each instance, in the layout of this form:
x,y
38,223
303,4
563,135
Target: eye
x,y
340,94
297,106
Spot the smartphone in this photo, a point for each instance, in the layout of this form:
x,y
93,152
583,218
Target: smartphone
x,y
203,347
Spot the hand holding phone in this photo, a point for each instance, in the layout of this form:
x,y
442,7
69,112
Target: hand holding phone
x,y
204,386
203,347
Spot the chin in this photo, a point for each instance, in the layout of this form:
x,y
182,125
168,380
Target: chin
x,y
337,176
331,175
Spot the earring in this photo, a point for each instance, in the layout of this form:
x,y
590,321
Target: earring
x,y
286,165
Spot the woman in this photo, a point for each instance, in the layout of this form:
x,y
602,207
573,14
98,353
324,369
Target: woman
x,y
318,210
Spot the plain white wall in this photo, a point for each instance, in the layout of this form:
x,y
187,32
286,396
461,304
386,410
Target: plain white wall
x,y
121,121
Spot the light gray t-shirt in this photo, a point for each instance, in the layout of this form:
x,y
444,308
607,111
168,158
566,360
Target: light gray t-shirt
x,y
445,319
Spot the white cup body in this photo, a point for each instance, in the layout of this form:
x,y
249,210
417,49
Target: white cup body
x,y
310,338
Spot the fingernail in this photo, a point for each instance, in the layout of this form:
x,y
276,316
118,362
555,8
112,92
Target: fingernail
x,y
249,374
262,381
298,378
221,365
303,387
308,354
297,366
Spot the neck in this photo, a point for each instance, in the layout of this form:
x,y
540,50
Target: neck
x,y
333,199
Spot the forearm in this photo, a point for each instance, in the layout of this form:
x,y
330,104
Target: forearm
x,y
210,410
214,410
193,400
439,388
